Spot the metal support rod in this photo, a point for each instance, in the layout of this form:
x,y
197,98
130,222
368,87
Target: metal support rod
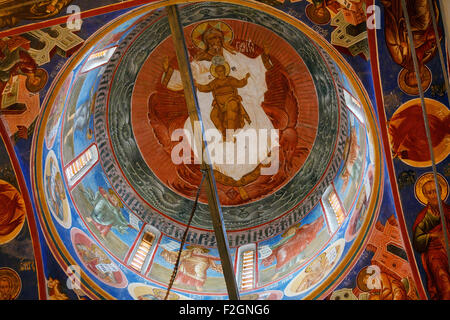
x,y
438,44
427,128
195,117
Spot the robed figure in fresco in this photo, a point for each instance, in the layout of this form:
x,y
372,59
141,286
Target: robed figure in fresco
x,y
428,237
194,264
294,241
397,40
55,189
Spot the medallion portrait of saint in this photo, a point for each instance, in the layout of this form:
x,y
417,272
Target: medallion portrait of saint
x,y
96,261
316,271
289,251
194,264
10,284
397,40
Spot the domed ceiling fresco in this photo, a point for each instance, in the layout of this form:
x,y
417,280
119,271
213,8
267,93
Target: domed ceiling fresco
x,y
117,204
328,175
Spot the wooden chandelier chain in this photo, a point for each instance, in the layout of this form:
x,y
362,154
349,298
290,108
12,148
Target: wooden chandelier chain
x,y
177,263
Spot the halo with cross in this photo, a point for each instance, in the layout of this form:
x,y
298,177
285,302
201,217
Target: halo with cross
x,y
200,29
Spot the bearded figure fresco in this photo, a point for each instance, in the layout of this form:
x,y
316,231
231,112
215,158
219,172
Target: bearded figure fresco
x,y
294,241
10,284
428,237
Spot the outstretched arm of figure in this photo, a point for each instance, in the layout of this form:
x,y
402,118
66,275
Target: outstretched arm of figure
x,y
204,87
240,83
216,267
169,256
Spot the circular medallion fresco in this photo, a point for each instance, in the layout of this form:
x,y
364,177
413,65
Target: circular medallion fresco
x,y
10,284
96,260
408,137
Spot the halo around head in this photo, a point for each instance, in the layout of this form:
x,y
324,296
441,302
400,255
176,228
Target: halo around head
x,y
42,75
213,69
200,29
427,177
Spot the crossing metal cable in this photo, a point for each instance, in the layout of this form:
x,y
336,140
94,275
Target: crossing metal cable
x,y
183,240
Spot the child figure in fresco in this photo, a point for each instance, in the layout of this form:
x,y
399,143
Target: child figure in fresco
x,y
228,111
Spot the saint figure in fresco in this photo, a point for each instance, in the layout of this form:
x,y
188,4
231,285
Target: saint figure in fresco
x,y
315,272
81,117
227,110
5,289
93,257
428,237
397,40
106,213
294,242
54,290
194,263
10,284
